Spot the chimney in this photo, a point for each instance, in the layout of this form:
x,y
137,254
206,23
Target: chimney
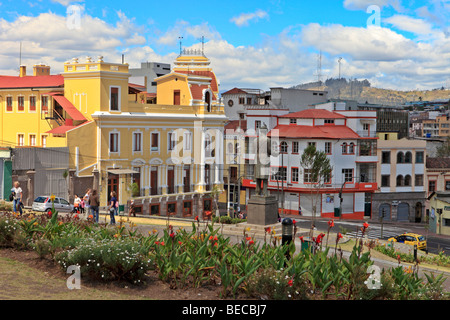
x,y
23,71
41,70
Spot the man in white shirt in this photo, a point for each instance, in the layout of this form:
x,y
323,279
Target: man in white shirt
x,y
17,197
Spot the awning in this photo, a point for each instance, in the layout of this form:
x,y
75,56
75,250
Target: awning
x,y
122,171
69,108
61,129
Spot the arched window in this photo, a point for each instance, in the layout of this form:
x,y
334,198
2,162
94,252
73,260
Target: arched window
x,y
400,181
344,148
284,147
408,157
400,157
408,180
351,148
208,101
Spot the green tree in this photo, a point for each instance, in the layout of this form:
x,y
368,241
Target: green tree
x,y
317,170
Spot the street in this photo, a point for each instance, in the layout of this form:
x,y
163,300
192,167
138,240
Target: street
x,y
436,243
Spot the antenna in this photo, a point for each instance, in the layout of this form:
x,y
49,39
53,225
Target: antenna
x,y
319,67
181,43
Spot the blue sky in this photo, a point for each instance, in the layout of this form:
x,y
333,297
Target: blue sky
x,y
250,43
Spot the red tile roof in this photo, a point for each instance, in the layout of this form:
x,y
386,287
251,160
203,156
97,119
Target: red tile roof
x,y
314,114
210,74
438,163
234,91
197,92
234,124
315,132
7,82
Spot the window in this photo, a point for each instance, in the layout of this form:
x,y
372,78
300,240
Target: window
x,y
32,140
329,121
20,103
348,175
366,126
400,181
44,141
113,142
419,157
208,142
293,121
386,157
249,100
307,176
344,148
114,99
137,141
9,106
155,141
172,208
257,124
241,100
154,209
312,144
295,147
400,157
20,140
44,103
431,186
408,157
385,180
328,147
408,180
447,185
418,180
294,175
283,147
171,140
351,148
32,103
187,140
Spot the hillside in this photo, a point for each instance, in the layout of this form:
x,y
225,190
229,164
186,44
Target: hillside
x,y
362,91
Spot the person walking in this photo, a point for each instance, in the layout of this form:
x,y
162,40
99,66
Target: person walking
x,y
131,211
76,204
94,204
17,201
86,201
113,207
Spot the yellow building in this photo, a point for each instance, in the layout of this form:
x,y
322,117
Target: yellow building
x,y
439,220
168,150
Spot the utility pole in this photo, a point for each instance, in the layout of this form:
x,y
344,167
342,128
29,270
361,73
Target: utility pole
x,y
181,49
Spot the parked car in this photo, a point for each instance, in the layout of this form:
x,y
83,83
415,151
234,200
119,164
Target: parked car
x,y
411,239
44,204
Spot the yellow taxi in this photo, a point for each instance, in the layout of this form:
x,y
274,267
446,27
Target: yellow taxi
x,y
411,239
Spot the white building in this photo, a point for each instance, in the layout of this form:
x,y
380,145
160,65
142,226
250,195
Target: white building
x,y
349,140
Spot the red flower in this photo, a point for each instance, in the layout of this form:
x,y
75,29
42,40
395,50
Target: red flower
x,y
156,242
339,236
211,238
179,242
267,229
294,222
331,223
290,283
365,225
162,243
248,238
301,238
251,242
215,238
75,216
196,218
172,235
216,244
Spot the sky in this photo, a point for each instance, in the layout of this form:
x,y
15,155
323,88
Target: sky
x,y
395,44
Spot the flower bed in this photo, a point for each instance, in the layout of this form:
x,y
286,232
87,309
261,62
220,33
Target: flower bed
x,y
203,257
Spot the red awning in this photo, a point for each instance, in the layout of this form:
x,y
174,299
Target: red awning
x,y
61,129
69,108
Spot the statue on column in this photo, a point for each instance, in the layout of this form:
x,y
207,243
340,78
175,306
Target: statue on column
x,y
263,151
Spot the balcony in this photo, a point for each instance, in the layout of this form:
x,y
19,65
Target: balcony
x,y
367,134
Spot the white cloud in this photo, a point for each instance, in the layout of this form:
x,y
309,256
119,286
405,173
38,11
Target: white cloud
x,y
364,4
66,2
406,23
244,18
186,30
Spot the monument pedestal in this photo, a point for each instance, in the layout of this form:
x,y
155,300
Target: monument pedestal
x,y
262,210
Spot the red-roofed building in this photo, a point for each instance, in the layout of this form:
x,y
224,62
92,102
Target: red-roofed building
x,y
347,139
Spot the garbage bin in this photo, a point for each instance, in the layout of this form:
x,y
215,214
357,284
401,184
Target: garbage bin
x,y
121,208
337,212
305,245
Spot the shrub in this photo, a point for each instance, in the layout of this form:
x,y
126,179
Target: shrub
x,y
107,260
8,230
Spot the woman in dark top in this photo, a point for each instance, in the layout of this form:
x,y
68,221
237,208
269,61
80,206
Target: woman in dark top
x,y
113,207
